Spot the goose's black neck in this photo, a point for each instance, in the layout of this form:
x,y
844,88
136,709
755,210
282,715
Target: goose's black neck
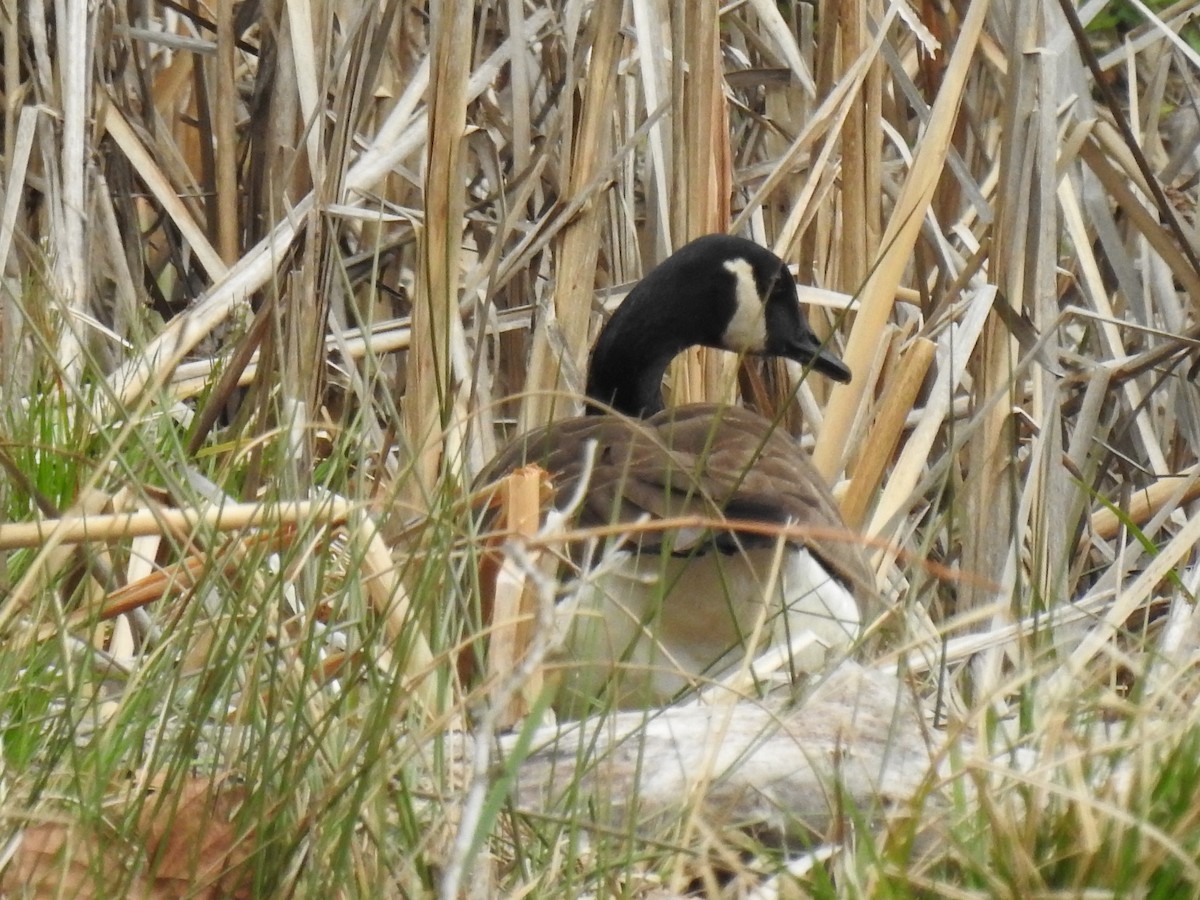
x,y
629,382
634,349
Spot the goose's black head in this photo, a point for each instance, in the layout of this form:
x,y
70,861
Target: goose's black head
x,y
718,291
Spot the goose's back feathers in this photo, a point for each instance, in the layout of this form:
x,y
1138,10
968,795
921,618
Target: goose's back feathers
x,y
696,462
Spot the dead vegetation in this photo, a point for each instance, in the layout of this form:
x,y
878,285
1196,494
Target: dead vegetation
x,y
277,276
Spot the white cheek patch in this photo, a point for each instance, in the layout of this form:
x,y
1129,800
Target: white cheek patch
x,y
747,330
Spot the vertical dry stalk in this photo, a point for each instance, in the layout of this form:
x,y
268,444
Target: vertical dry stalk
x,y
654,70
861,142
12,350
428,398
816,242
1048,488
566,333
302,360
1023,270
225,137
872,153
75,34
700,171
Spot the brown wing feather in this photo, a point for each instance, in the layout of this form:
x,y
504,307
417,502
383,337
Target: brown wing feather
x,y
698,460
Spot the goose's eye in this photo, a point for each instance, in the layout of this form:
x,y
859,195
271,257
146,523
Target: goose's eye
x,y
747,328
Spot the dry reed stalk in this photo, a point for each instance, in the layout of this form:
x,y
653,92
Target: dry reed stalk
x,y
780,33
900,236
1116,181
225,135
19,144
887,430
1181,488
823,122
1131,597
1023,265
430,394
405,636
73,28
700,173
400,135
861,145
654,70
560,340
316,164
165,192
957,346
118,526
1109,329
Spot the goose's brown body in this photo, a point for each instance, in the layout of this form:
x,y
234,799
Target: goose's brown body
x,y
684,598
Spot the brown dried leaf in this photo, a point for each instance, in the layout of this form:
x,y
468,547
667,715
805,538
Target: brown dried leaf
x,y
192,845
196,843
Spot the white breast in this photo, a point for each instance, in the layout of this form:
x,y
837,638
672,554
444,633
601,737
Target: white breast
x,y
648,628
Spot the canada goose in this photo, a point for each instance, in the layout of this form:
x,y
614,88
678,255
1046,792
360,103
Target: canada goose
x,y
678,605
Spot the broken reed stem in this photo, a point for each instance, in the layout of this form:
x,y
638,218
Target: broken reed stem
x,y
117,526
514,601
